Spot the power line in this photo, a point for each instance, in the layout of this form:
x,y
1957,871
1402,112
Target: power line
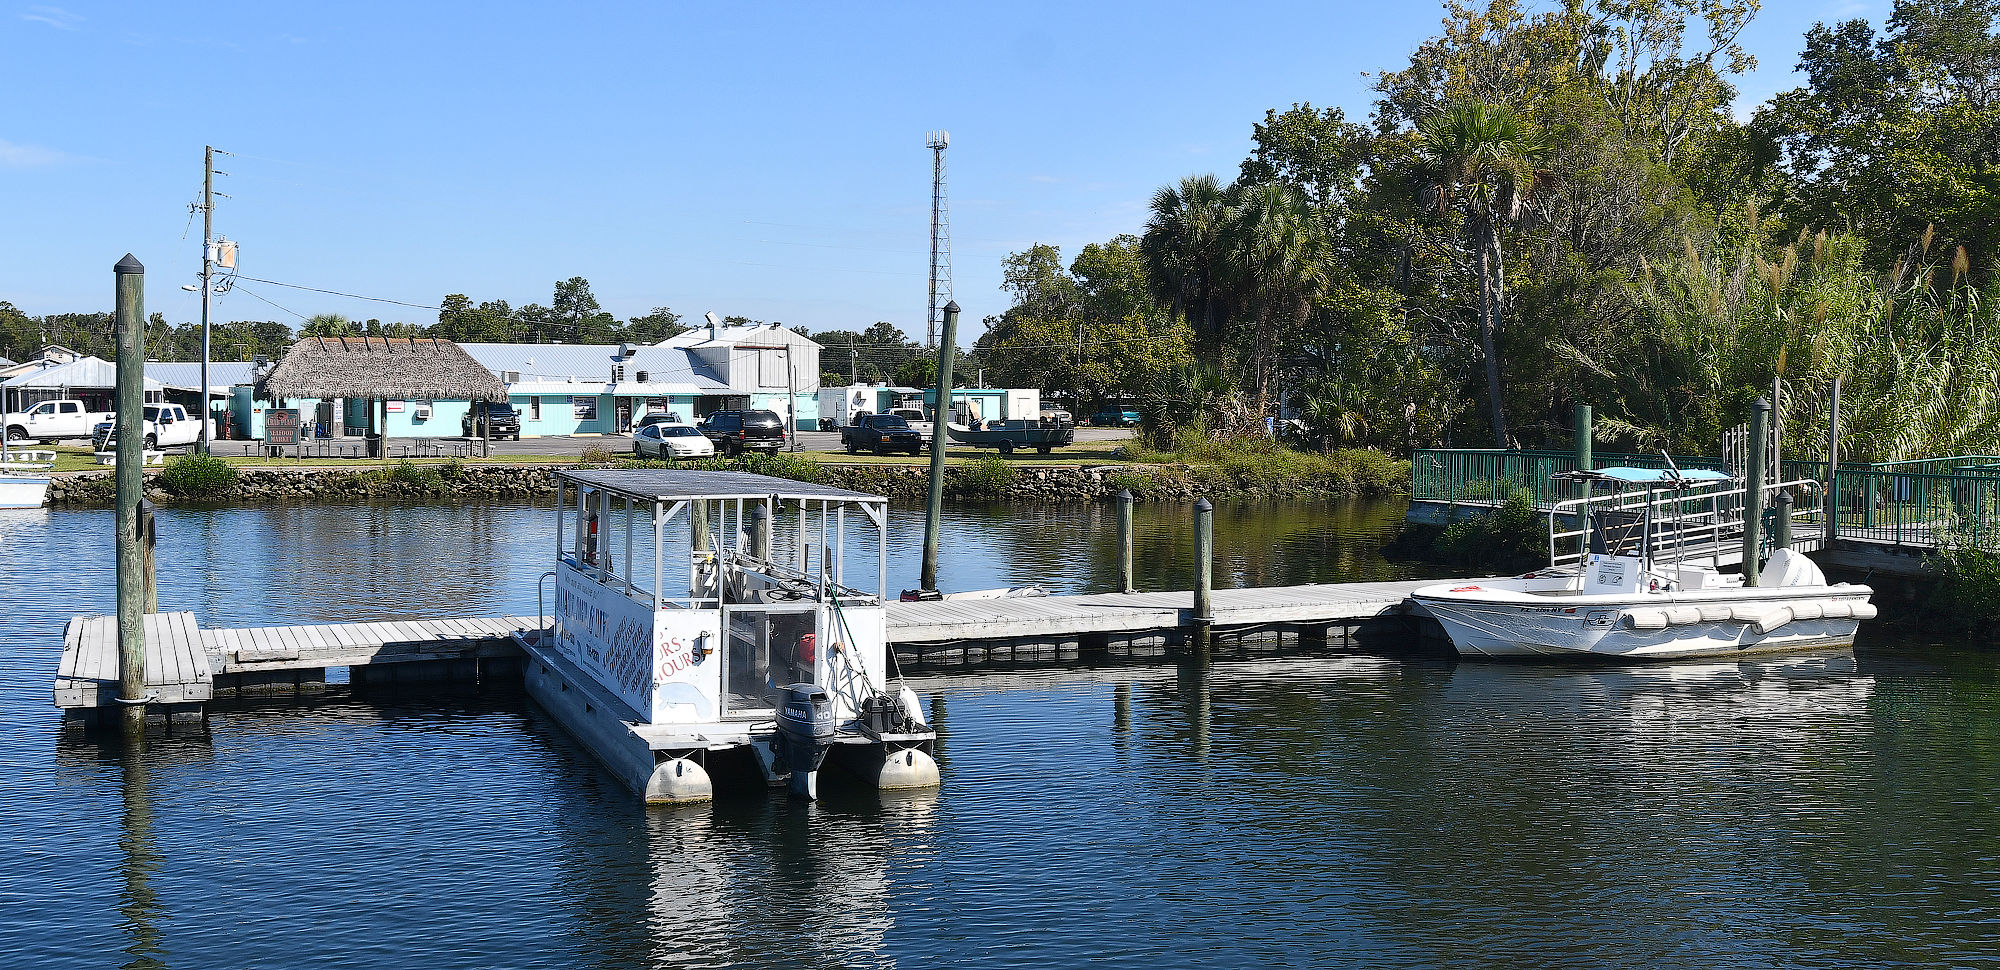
x,y
351,296
253,294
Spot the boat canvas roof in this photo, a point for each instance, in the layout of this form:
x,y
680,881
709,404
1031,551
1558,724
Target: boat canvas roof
x,y
1647,476
675,484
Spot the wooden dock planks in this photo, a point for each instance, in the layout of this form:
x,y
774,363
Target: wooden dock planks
x,y
176,665
1057,616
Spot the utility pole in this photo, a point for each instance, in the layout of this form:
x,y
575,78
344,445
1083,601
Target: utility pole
x,y
853,364
208,174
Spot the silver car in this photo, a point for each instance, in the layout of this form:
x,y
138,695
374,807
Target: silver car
x,y
670,441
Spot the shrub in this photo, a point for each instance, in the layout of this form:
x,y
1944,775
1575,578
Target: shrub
x,y
1968,589
1510,538
986,476
597,455
452,470
408,474
784,464
197,476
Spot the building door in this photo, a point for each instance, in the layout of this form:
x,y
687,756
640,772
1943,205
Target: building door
x,y
624,415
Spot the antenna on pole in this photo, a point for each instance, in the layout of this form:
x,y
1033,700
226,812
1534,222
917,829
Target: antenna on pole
x,y
937,142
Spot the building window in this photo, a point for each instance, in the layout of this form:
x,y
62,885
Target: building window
x,y
534,409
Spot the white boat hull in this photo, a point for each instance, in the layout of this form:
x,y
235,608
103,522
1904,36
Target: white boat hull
x,y
23,491
1488,622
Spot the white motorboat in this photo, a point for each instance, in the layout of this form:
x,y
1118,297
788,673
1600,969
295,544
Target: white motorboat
x,y
24,478
1638,594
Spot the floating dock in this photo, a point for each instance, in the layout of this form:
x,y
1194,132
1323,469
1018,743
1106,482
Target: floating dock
x,y
188,664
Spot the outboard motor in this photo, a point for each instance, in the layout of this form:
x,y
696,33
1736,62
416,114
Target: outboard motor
x,y
806,727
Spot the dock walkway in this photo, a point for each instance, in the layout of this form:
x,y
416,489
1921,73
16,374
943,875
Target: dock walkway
x,y
186,664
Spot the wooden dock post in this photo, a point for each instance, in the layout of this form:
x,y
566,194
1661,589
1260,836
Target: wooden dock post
x,y
940,419
1204,577
129,326
1583,435
1831,530
1753,490
760,530
1781,527
148,539
1125,541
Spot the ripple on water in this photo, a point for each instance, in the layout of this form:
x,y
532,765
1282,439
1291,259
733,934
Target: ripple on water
x,y
1806,811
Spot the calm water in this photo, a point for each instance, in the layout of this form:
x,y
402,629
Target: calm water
x,y
1830,811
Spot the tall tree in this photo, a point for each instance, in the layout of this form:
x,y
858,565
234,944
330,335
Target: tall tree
x,y
1183,248
1480,162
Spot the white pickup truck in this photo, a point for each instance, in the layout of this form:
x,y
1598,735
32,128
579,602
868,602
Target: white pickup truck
x,y
167,426
52,420
914,417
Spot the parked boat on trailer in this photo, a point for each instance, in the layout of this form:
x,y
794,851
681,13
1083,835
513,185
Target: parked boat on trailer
x,y
1635,588
24,477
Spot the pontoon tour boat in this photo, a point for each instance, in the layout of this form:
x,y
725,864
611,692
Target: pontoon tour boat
x,y
1635,588
702,613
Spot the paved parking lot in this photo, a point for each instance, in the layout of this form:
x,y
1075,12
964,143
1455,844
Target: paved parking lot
x,y
812,441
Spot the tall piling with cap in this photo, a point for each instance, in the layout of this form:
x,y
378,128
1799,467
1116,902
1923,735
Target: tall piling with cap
x,y
1753,490
1204,576
129,328
1125,541
940,417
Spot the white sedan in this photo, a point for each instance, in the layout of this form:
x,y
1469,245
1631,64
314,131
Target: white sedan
x,y
670,441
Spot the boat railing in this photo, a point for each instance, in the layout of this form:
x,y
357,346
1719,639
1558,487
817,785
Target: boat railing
x,y
1697,522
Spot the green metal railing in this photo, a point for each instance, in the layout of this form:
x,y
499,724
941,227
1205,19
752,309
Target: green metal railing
x,y
1483,476
1887,503
1915,502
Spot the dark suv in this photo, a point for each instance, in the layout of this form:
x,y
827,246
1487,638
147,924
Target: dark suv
x,y
502,421
736,431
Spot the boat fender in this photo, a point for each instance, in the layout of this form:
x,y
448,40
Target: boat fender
x,y
1808,611
1648,619
1712,614
1863,611
1745,614
1772,620
1683,615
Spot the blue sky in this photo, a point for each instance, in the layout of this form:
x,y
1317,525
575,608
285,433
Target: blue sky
x,y
766,160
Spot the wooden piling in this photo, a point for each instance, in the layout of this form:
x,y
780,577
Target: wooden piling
x,y
1781,527
1753,491
940,418
1583,435
1831,530
1204,554
148,540
1125,541
129,326
760,530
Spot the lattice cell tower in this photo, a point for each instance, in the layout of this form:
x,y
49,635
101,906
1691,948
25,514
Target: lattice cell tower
x,y
938,141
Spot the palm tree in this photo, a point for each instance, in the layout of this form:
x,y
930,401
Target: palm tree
x,y
1279,251
1480,160
326,325
1183,248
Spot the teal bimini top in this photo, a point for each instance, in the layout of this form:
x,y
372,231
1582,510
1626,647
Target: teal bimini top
x,y
1648,476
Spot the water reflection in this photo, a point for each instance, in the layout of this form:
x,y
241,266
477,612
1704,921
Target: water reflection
x,y
139,907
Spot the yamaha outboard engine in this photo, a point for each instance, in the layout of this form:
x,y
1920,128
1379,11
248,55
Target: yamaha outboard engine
x,y
806,727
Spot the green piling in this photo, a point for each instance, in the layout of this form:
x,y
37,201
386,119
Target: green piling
x,y
1583,432
1753,491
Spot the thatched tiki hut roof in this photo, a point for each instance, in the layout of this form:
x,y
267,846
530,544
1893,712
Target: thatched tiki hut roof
x,y
382,369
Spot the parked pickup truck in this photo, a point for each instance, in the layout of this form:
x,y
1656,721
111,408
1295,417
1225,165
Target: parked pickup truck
x,y
879,433
51,420
167,426
914,417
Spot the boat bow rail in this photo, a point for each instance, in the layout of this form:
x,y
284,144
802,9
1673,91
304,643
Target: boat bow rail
x,y
1685,520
